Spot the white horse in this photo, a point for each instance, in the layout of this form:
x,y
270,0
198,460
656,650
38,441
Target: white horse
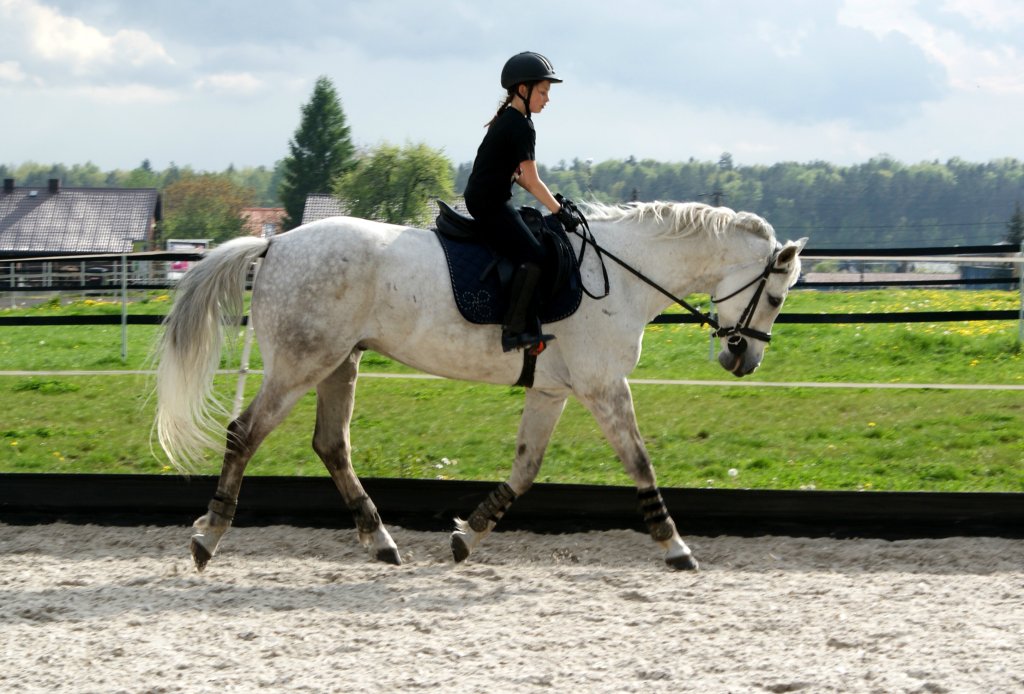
x,y
328,291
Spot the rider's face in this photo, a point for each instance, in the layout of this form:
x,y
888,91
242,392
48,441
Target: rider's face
x,y
539,97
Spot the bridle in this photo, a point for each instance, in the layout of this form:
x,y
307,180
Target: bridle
x,y
735,334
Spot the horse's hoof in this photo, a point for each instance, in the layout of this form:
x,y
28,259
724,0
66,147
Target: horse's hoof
x,y
389,555
684,562
460,550
200,555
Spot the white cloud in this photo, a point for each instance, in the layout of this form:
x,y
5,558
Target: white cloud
x,y
126,94
836,80
10,71
79,48
971,63
240,83
989,15
785,41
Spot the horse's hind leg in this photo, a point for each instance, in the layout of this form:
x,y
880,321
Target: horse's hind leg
x,y
540,415
335,399
612,407
245,434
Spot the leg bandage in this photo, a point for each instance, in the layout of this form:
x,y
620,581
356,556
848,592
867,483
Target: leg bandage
x,y
492,508
655,515
223,507
365,514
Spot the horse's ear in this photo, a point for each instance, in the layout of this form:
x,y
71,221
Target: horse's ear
x,y
790,251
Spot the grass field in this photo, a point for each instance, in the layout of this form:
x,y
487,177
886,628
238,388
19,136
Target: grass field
x,y
750,437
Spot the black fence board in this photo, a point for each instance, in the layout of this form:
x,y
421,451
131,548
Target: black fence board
x,y
431,504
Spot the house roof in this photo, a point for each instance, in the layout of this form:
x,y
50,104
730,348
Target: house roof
x,y
75,220
321,205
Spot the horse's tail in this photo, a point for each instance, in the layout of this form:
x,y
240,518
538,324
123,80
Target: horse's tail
x,y
209,297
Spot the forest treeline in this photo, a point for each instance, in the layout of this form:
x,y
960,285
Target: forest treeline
x,y
878,203
261,182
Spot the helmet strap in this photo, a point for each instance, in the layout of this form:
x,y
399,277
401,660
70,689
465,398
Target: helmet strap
x,y
527,98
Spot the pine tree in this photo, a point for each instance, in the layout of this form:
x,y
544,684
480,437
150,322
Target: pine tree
x,y
1015,227
320,151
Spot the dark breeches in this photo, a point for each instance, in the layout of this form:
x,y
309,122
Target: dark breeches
x,y
505,231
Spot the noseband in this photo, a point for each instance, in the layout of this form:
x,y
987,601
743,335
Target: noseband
x,y
736,335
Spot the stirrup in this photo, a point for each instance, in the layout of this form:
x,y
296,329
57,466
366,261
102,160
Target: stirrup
x,y
535,343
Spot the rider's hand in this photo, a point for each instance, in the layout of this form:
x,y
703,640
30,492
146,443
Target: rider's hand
x,y
566,214
567,218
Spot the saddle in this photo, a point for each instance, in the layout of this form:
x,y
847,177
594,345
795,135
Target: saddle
x,y
481,277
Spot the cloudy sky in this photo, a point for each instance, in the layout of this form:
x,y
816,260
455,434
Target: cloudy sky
x,y
216,82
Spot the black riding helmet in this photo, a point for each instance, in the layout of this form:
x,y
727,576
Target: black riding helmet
x,y
527,67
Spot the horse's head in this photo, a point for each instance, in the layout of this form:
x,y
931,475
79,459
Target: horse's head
x,y
748,301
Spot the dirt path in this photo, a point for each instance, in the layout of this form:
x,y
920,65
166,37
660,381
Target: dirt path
x,y
280,609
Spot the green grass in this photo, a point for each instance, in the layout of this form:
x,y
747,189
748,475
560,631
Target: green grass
x,y
751,437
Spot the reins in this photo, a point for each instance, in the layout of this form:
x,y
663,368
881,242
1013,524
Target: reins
x,y
734,333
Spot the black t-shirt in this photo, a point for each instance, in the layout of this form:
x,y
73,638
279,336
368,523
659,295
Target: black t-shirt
x,y
509,141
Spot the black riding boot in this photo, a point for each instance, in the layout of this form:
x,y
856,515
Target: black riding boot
x,y
521,327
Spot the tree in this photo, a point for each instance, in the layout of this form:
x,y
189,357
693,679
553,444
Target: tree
x,y
1015,227
320,152
395,185
204,206
142,176
261,180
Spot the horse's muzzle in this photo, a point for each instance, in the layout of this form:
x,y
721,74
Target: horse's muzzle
x,y
733,357
733,363
737,345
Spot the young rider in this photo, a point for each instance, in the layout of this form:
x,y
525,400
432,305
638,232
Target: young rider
x,y
506,156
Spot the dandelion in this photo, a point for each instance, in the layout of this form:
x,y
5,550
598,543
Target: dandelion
x,y
872,424
14,443
733,472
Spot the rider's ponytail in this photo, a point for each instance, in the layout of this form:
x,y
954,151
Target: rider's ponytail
x,y
505,104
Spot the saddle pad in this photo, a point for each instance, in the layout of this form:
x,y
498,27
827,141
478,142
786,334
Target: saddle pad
x,y
478,292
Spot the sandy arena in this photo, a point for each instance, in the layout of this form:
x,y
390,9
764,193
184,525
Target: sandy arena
x,y
281,609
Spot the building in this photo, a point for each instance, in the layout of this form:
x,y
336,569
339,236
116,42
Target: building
x,y
263,222
51,220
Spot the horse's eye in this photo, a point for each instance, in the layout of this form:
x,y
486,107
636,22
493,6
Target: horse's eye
x,y
774,301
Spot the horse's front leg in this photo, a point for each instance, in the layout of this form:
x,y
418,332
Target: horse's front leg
x,y
540,415
612,407
335,400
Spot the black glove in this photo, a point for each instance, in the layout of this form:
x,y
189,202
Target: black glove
x,y
567,214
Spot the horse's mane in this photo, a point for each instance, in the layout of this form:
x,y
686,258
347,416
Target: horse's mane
x,y
677,219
